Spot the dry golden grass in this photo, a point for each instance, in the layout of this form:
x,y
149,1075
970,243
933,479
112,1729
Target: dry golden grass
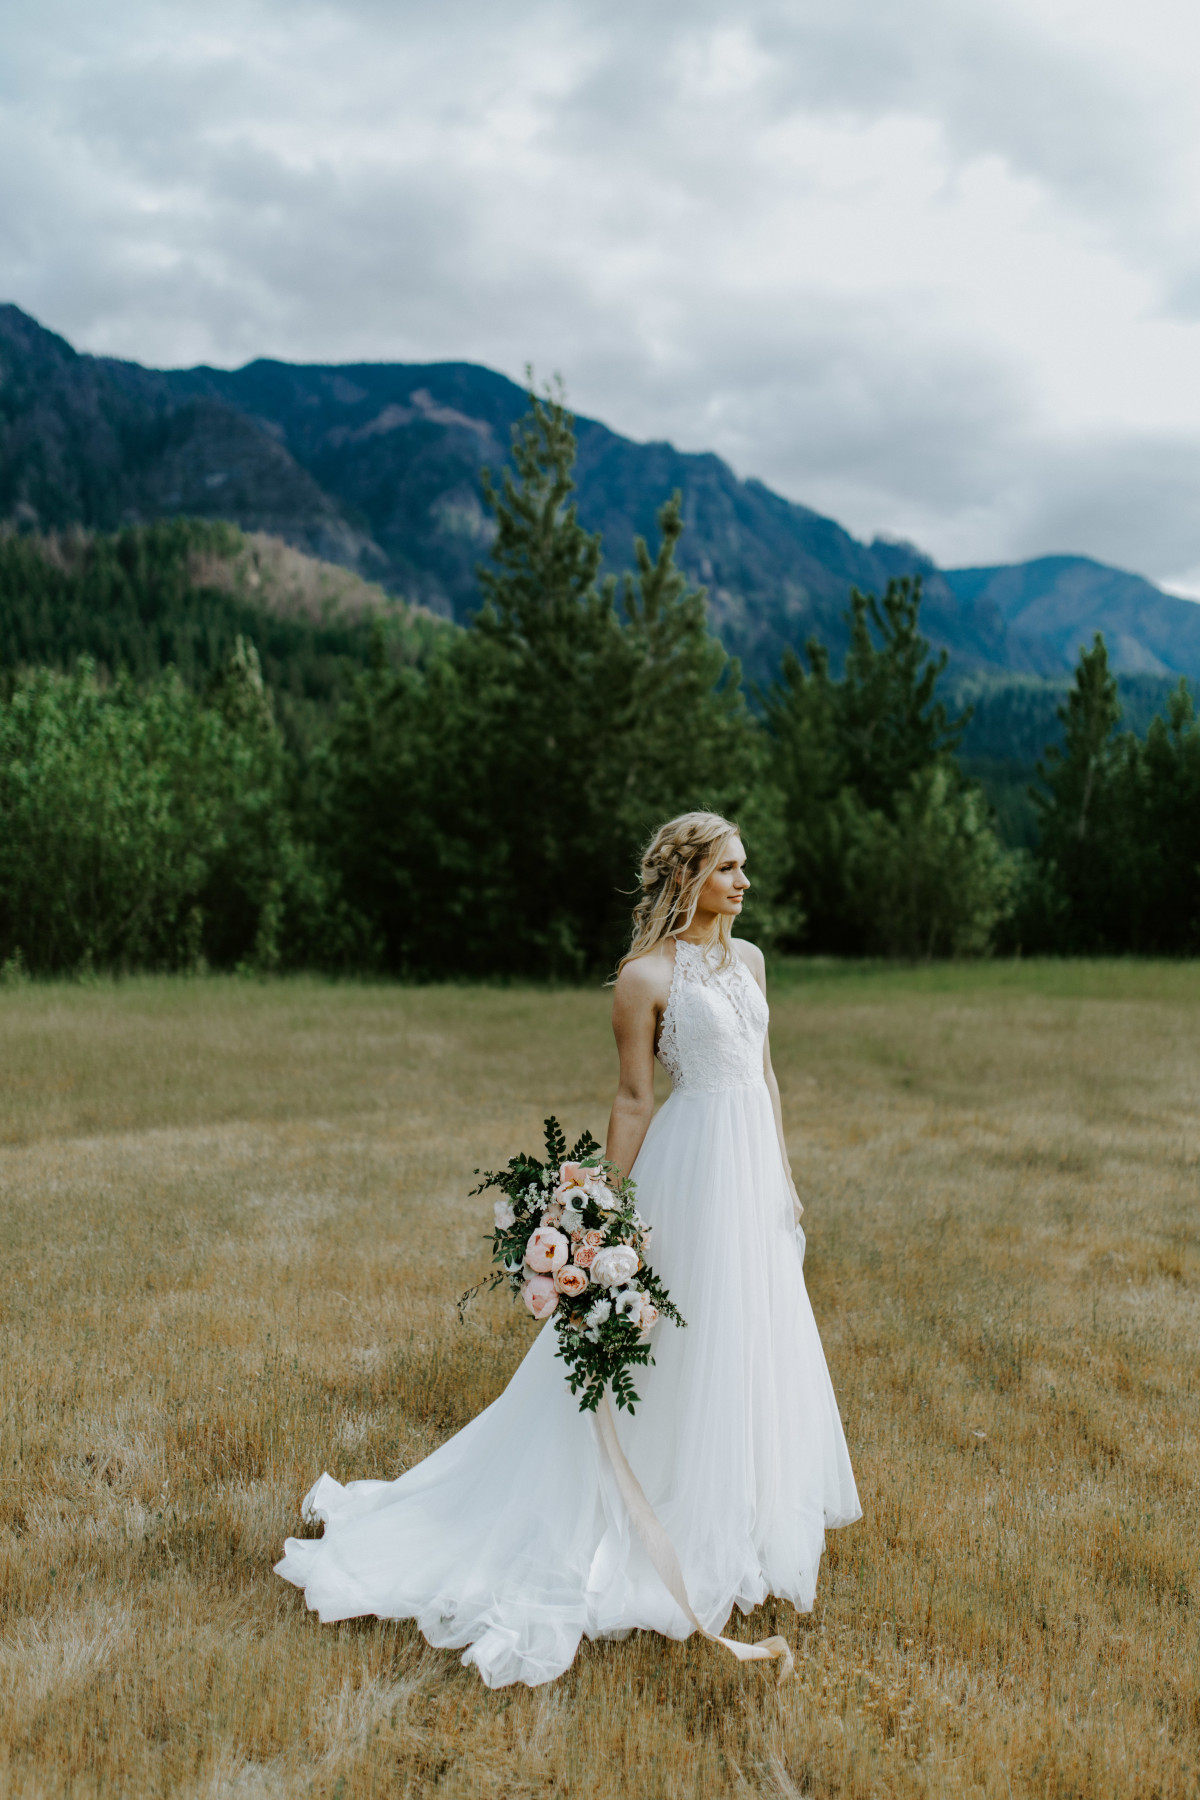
x,y
235,1219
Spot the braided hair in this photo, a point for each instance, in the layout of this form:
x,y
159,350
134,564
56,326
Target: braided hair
x,y
676,863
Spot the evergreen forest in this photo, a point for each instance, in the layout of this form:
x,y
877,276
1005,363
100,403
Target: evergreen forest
x,y
192,778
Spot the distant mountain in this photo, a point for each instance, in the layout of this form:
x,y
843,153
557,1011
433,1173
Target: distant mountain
x,y
1064,600
376,467
400,447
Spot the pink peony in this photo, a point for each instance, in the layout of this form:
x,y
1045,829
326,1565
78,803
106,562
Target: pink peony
x,y
571,1281
585,1255
573,1175
540,1296
546,1250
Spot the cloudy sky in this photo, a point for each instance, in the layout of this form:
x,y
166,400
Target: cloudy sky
x,y
933,268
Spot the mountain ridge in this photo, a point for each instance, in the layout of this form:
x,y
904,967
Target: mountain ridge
x,y
375,466
1058,598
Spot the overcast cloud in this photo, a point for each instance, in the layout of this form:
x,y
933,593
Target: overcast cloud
x,y
931,268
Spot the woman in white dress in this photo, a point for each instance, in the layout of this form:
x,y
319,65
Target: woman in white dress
x,y
514,1539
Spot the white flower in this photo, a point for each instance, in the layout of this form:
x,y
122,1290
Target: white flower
x,y
597,1314
629,1303
571,1218
503,1214
614,1266
603,1195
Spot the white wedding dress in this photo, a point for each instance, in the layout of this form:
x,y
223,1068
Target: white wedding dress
x,y
512,1538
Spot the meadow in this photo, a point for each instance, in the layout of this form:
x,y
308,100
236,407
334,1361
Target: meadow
x,y
235,1219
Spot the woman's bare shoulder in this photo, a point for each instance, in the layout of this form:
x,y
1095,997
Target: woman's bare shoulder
x,y
647,976
750,954
755,961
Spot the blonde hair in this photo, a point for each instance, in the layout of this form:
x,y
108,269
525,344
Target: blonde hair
x,y
676,863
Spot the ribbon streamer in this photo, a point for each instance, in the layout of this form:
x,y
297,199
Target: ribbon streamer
x,y
661,1550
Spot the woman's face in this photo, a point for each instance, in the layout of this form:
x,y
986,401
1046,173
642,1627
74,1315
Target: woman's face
x,y
725,887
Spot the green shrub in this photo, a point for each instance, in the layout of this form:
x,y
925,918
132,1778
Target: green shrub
x,y
931,880
146,828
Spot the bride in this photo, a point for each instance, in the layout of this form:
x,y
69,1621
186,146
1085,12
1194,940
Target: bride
x,y
514,1538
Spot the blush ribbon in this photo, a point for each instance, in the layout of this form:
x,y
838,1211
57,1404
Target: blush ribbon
x,y
661,1550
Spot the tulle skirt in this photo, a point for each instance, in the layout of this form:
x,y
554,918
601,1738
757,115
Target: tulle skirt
x,y
511,1540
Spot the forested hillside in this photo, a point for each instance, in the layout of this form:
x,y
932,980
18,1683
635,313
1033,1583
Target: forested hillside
x,y
1013,723
181,594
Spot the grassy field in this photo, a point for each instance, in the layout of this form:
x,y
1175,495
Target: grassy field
x,y
234,1223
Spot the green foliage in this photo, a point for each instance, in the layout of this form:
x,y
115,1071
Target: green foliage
x,y
1117,864
931,880
1162,813
100,857
1077,812
888,847
891,725
144,828
1015,720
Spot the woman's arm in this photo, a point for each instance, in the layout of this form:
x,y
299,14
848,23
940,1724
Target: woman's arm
x,y
638,1002
756,963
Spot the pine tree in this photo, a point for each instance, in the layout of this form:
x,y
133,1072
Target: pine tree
x,y
1117,864
690,737
516,776
807,770
544,565
1076,774
615,704
890,723
1165,826
545,676
1077,904
847,751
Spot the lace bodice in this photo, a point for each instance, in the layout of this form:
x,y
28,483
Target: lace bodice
x,y
714,1024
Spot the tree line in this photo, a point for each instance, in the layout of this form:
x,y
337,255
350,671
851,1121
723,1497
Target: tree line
x,y
471,801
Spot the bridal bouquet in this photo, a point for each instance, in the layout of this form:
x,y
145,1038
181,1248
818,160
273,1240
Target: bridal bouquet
x,y
569,1241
